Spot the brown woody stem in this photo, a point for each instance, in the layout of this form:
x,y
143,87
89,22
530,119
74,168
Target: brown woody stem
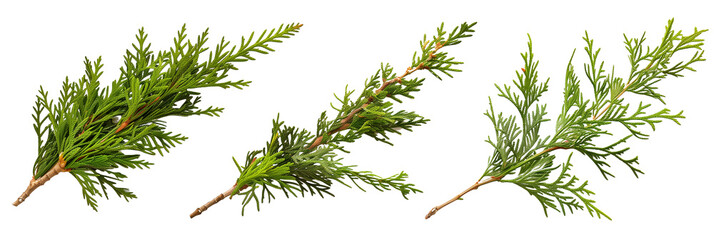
x,y
347,120
140,111
35,183
457,197
622,92
220,197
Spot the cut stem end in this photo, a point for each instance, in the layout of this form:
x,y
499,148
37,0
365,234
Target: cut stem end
x,y
215,200
36,183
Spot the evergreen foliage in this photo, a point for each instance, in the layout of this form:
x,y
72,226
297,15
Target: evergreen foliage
x,y
296,161
92,132
522,155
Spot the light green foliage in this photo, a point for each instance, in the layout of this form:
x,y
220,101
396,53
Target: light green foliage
x,y
294,163
98,130
522,155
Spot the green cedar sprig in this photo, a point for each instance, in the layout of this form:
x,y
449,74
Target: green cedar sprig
x,y
296,161
92,132
522,155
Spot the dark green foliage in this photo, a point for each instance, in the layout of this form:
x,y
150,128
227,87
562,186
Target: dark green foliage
x,y
523,155
92,127
297,161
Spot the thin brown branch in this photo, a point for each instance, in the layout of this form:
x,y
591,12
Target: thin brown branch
x,y
141,110
551,149
622,92
491,179
84,128
36,183
220,197
347,120
457,197
595,117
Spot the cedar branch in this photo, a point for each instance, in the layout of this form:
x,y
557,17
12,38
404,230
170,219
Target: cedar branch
x,y
345,123
478,183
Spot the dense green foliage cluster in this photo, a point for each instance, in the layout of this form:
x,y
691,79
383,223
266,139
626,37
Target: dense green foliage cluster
x,y
94,131
522,155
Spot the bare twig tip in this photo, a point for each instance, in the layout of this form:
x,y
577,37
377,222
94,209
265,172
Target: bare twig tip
x,y
196,212
431,212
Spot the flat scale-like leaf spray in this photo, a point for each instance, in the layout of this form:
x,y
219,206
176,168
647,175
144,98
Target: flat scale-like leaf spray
x,y
93,132
297,161
522,156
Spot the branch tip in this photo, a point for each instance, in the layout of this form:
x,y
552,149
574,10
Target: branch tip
x,y
431,213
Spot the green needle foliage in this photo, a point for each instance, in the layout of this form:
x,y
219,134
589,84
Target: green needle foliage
x,y
296,161
92,132
522,155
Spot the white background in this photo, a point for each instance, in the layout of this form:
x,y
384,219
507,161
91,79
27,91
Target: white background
x,y
42,42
